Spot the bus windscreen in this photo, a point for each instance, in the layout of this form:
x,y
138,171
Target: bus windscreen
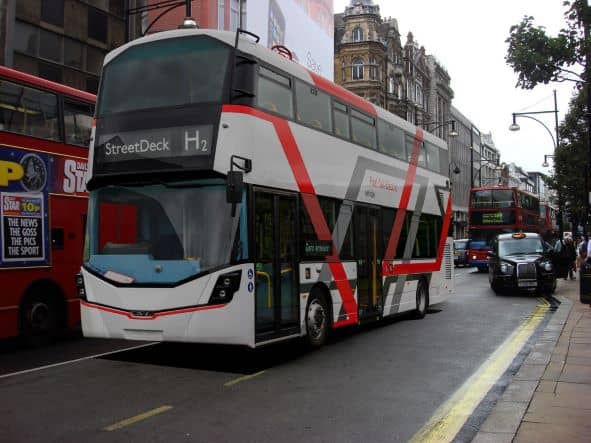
x,y
164,74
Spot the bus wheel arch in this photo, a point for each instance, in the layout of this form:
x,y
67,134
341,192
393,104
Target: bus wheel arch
x,y
42,310
318,315
422,298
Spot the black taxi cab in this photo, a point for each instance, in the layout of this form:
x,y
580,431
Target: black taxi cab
x,y
520,262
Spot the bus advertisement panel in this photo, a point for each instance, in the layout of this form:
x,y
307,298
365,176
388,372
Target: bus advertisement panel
x,y
26,180
280,22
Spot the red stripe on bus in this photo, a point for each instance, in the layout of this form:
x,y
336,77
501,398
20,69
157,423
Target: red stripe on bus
x,y
152,317
419,268
302,178
405,198
343,94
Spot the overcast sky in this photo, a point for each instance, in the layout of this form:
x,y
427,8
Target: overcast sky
x,y
468,38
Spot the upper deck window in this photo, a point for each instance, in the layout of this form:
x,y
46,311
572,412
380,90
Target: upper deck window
x,y
28,111
313,107
165,73
274,92
496,198
77,123
363,129
391,139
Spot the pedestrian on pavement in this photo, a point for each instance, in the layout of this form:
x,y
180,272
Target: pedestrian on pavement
x,y
570,254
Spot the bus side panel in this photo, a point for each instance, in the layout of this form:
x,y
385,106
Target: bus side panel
x,y
443,281
67,223
312,274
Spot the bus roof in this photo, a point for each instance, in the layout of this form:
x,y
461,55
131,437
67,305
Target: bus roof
x,y
249,46
44,84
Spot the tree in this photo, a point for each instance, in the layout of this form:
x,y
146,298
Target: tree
x,y
570,162
539,58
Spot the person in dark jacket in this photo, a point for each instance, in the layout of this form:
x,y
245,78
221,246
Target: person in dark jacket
x,y
570,255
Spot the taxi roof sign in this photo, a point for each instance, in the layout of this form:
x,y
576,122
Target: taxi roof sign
x,y
518,235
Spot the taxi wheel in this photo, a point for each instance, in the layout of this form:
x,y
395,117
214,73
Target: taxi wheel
x,y
495,287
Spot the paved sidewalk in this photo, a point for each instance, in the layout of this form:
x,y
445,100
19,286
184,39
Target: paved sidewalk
x,y
549,399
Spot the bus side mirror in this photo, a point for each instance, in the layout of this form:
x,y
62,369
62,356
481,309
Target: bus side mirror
x,y
491,254
234,187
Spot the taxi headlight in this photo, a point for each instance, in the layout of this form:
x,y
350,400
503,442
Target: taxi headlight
x,y
506,268
547,265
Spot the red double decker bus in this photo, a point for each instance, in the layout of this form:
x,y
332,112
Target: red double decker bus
x,y
45,130
548,221
495,210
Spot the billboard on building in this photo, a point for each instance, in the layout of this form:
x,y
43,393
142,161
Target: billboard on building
x,y
305,27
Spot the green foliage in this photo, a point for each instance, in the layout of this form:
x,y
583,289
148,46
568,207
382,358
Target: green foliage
x,y
539,58
570,161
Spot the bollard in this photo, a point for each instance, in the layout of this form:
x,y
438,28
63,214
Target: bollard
x,y
585,283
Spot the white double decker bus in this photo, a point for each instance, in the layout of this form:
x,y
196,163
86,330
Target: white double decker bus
x,y
237,197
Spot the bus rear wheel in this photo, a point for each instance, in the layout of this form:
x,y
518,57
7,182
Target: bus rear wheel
x,y
317,319
422,300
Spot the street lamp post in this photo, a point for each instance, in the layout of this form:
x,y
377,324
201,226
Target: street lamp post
x,y
451,123
555,141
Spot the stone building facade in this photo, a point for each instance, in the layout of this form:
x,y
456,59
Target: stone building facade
x,y
63,40
371,61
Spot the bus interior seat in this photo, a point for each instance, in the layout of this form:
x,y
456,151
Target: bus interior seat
x,y
111,248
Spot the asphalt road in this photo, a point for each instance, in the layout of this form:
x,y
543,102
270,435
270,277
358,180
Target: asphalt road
x,y
377,383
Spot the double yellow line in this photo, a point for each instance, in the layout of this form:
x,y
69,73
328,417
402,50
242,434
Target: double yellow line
x,y
451,416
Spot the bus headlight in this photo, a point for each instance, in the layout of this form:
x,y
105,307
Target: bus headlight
x,y
80,289
225,287
506,268
547,265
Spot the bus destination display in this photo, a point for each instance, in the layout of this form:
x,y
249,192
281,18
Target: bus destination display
x,y
492,218
157,144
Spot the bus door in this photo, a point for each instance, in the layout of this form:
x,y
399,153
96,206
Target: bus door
x,y
276,294
368,253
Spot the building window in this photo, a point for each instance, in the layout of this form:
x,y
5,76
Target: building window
x,y
391,85
344,71
51,46
234,14
373,68
50,72
52,11
92,84
221,14
26,38
97,25
357,69
94,60
73,54
357,34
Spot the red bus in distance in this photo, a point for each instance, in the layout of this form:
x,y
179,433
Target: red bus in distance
x,y
45,129
495,210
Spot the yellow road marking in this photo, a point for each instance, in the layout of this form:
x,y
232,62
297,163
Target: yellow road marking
x,y
544,301
246,377
139,417
451,416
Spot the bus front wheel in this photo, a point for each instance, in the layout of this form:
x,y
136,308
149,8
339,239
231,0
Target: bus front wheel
x,y
317,319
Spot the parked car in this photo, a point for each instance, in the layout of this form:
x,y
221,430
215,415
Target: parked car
x,y
521,262
478,254
461,251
